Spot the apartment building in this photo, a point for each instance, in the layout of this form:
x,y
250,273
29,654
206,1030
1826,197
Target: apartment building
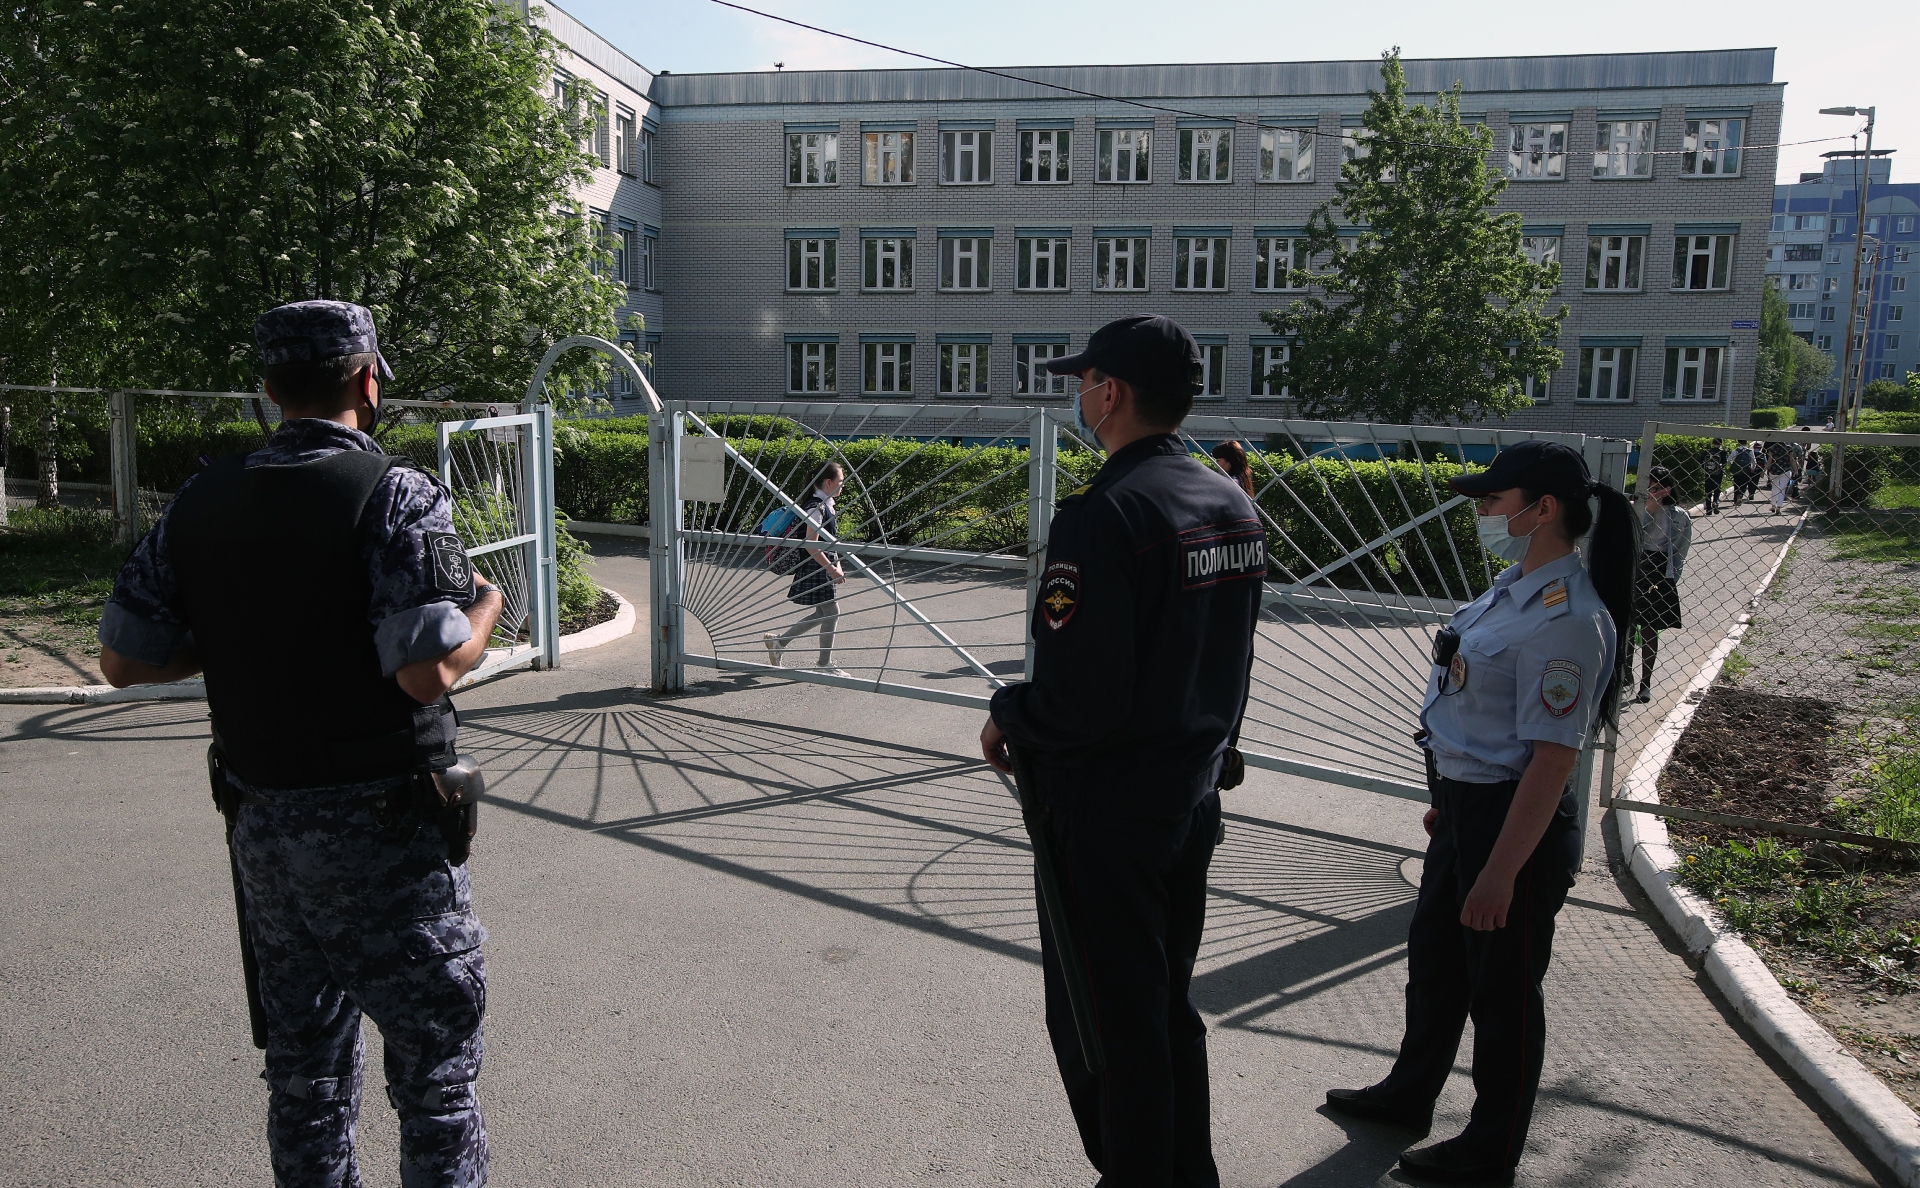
x,y
938,234
1810,249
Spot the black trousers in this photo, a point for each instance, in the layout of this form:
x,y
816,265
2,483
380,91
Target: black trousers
x,y
1454,972
1137,891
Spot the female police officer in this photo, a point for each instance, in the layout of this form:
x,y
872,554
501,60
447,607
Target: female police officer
x,y
1519,679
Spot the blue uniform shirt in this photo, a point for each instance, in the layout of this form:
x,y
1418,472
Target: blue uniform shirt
x,y
412,619
1535,651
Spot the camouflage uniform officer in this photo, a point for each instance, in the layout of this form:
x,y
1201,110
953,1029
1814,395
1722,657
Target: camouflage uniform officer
x,y
353,900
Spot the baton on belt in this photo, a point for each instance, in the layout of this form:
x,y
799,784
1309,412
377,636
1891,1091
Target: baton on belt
x,y
1047,873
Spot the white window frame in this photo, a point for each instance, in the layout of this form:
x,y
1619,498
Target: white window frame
x,y
1894,312
1624,148
887,158
1695,375
1890,342
1542,249
1903,224
972,263
964,368
1265,357
1801,311
1046,156
813,264
966,157
646,168
1712,146
886,368
1593,366
1125,156
602,131
626,261
1030,374
1200,262
1896,284
1711,253
1292,147
1823,342
879,251
1037,256
1205,156
625,150
649,261
1126,257
1886,371
1803,282
1213,371
1273,263
1622,256
813,159
1537,151
813,368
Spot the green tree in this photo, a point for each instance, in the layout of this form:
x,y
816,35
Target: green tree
x,y
194,164
1432,310
1888,396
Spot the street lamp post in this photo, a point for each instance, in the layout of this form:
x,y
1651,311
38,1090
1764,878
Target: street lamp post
x,y
1849,406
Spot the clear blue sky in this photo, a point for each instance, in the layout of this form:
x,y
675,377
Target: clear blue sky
x,y
1829,54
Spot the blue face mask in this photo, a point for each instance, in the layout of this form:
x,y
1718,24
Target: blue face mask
x,y
1495,538
1090,433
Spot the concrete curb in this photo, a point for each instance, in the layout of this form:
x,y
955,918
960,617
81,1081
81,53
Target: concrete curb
x,y
620,625
1872,1111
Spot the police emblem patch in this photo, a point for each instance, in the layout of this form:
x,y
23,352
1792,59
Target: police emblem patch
x,y
1457,672
1059,593
1560,687
452,571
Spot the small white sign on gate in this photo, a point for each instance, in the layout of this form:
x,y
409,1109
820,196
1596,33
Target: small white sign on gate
x,y
505,434
703,469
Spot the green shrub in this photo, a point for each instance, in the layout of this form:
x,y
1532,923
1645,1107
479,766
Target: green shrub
x,y
1772,418
1863,471
39,529
1872,421
578,593
733,425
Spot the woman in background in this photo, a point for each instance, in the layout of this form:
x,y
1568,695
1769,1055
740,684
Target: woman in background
x,y
1666,534
1232,458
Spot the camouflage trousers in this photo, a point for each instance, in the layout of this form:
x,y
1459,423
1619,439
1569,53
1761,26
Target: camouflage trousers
x,y
354,908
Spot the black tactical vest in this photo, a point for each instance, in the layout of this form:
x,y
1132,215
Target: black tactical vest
x,y
273,582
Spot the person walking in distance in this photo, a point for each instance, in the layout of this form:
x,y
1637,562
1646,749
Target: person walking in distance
x,y
1232,457
815,580
1143,650
320,586
1520,678
1713,468
1780,464
1746,471
1666,535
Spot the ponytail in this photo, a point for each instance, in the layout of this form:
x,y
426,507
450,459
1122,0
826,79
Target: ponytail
x,y
1612,552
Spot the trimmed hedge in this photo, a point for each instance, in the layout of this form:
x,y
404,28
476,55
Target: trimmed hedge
x,y
1874,421
733,425
1772,418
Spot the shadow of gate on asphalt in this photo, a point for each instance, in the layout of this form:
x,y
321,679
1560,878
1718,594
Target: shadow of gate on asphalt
x,y
926,839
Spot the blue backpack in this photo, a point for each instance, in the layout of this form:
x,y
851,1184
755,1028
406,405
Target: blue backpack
x,y
782,521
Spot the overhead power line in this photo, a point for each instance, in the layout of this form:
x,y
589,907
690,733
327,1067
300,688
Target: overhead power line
x,y
1178,111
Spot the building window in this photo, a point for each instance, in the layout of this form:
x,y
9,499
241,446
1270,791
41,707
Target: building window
x,y
887,263
1273,262
813,158
1886,371
622,382
1624,148
1543,250
1606,373
1701,261
1892,341
1265,360
625,151
1613,261
1823,342
1030,374
811,366
888,367
1537,152
1120,263
1896,284
965,264
1693,373
963,369
1042,263
1200,262
1894,312
1532,387
1802,222
1826,313
1903,225
602,132
1800,311
1353,144
1873,226
1206,155
812,264
647,168
1797,251
625,259
1902,254
1833,284
966,158
1803,282
1711,148
1213,369
1045,154
1124,155
1286,155
649,261
889,159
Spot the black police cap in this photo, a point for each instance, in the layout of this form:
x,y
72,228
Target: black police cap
x,y
1543,467
1147,350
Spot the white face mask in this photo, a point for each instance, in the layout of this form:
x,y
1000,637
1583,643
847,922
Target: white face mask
x,y
1090,433
1495,538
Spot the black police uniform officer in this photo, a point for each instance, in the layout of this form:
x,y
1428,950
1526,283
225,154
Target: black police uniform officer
x,y
1143,645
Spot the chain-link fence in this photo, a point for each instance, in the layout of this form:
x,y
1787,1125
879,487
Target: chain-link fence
x,y
1779,607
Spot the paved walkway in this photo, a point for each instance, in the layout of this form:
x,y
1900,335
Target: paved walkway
x,y
777,933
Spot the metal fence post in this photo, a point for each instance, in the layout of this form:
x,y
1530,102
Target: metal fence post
x,y
546,600
665,554
125,472
1043,456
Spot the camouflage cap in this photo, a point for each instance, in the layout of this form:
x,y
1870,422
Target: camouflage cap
x,y
310,331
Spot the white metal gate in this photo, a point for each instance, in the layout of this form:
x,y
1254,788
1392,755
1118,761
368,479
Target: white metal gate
x,y
500,470
944,522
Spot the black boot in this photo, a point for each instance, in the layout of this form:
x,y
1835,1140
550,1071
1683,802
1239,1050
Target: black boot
x,y
1375,1106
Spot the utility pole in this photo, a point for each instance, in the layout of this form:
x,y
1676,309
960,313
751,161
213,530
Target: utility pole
x,y
1848,414
1866,328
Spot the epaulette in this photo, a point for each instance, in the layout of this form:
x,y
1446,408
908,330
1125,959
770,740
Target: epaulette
x,y
1553,593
